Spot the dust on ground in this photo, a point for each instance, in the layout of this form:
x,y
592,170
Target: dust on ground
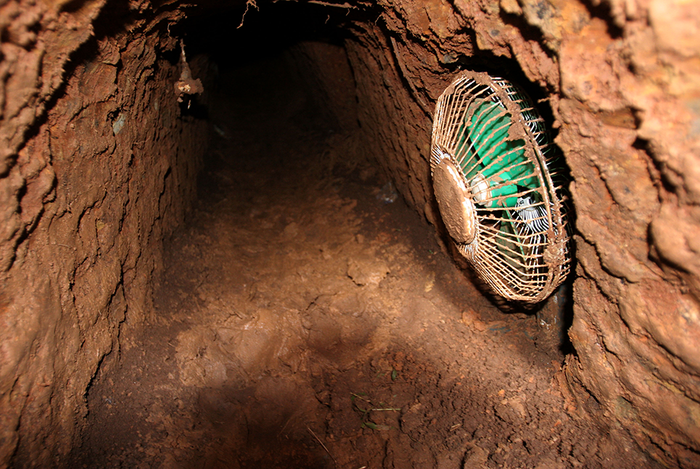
x,y
308,318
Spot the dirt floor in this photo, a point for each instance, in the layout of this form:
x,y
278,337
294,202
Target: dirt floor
x,y
308,318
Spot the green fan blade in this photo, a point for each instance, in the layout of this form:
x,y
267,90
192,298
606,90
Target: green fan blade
x,y
500,161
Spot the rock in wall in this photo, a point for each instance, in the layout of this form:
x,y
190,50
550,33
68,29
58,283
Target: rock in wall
x,y
99,164
621,80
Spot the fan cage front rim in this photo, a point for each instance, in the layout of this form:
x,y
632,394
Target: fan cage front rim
x,y
557,236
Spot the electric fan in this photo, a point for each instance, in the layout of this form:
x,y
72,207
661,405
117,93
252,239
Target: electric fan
x,y
498,186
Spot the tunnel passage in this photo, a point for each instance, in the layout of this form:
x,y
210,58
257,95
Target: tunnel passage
x,y
305,300
399,362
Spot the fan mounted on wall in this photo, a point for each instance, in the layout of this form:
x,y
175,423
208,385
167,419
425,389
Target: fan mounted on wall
x,y
500,189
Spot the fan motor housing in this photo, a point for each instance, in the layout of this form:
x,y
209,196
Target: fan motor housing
x,y
456,207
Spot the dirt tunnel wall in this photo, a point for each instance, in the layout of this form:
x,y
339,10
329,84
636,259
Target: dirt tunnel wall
x,y
98,163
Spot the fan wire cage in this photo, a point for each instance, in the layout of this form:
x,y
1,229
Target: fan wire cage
x,y
499,185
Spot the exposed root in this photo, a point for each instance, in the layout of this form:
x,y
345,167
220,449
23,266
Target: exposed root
x,y
248,4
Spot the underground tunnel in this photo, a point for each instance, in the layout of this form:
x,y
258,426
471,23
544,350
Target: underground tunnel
x,y
221,245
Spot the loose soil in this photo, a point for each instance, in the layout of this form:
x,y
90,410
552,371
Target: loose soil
x,y
308,318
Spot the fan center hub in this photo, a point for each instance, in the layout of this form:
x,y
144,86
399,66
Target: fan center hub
x,y
456,207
